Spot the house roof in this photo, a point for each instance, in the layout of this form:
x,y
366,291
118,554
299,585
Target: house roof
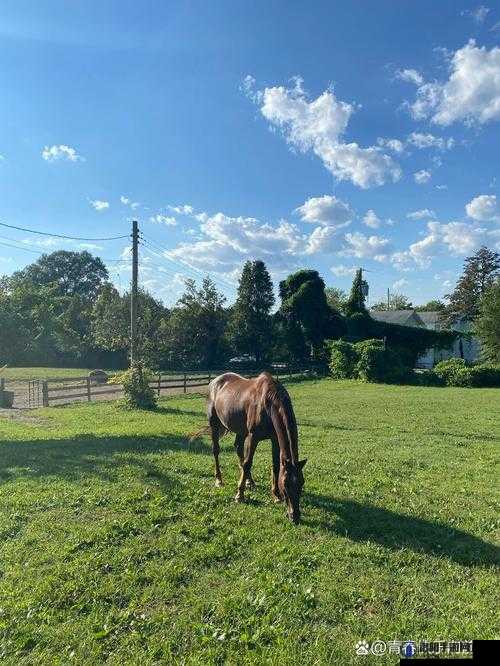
x,y
432,317
402,317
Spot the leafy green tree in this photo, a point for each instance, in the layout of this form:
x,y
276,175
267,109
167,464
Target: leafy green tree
x,y
195,331
336,298
251,325
308,319
480,272
397,301
35,325
487,324
72,273
111,325
431,306
356,301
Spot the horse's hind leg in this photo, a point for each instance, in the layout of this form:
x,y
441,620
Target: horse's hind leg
x,y
216,426
246,466
239,444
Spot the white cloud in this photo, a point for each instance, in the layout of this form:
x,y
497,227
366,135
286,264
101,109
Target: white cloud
x,y
421,140
97,204
185,209
319,125
395,145
61,152
484,208
127,202
325,210
369,247
411,76
399,284
421,214
478,15
371,220
455,238
421,177
471,94
163,219
343,271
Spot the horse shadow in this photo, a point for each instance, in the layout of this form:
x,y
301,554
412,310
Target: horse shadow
x,y
366,522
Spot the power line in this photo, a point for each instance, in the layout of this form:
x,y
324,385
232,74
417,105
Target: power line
x,y
45,233
20,248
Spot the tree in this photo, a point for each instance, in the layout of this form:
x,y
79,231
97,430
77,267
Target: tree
x,y
487,324
195,331
336,298
111,325
431,306
356,301
250,327
306,314
480,272
72,273
397,301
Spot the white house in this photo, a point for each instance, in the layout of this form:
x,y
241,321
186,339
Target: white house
x,y
466,347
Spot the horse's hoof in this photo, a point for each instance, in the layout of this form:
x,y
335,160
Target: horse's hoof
x,y
239,498
277,499
250,484
218,483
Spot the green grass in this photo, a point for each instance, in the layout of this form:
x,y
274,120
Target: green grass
x,y
43,373
116,547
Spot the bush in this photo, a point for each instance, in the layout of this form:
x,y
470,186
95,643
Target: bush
x,y
378,363
453,371
369,360
456,372
138,392
343,358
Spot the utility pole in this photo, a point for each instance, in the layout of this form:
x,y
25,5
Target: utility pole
x,y
133,292
388,299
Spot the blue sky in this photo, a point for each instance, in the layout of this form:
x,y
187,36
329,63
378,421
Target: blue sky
x,y
327,135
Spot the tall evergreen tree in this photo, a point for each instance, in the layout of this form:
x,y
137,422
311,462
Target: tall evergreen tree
x,y
480,272
356,301
487,324
251,325
306,312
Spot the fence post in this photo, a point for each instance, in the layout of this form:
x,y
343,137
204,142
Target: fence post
x,y
45,393
2,389
88,389
185,387
159,384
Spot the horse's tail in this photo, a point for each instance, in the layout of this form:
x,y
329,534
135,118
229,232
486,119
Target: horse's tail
x,y
194,435
205,431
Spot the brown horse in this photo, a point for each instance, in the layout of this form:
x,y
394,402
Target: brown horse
x,y
257,409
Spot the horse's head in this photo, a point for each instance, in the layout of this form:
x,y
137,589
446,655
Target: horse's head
x,y
291,482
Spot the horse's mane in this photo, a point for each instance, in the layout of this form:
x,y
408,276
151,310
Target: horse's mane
x,y
282,415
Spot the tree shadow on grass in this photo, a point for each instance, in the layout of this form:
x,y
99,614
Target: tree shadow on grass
x,y
88,455
366,522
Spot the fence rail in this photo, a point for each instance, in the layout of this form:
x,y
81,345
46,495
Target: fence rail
x,y
62,390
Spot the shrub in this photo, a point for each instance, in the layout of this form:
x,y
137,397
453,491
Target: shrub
x,y
343,359
138,392
378,363
453,371
456,372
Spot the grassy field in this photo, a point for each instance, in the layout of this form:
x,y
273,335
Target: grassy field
x,y
43,373
116,547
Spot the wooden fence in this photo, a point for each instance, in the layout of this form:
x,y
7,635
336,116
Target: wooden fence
x,y
60,391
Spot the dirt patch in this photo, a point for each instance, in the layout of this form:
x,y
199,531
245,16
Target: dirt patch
x,y
21,415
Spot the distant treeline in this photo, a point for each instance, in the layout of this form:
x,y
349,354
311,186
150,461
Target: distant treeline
x,y
62,310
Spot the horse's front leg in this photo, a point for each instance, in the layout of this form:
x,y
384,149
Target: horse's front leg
x,y
246,466
275,492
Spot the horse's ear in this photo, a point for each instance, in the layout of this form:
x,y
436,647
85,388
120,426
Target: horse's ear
x,y
302,463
